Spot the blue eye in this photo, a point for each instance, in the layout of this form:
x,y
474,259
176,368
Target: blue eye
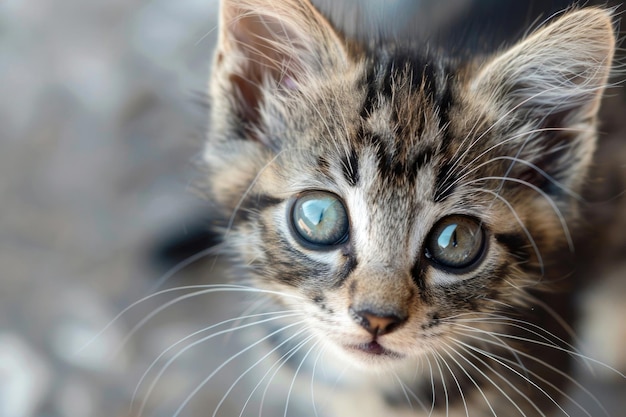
x,y
320,218
456,242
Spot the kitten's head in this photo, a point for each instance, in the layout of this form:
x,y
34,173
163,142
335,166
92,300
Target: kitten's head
x,y
389,193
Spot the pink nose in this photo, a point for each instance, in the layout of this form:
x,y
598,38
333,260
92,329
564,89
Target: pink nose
x,y
376,324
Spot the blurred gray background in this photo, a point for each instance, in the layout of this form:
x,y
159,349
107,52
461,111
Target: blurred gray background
x,y
102,114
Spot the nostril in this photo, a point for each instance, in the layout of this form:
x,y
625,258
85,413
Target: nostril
x,y
380,324
375,323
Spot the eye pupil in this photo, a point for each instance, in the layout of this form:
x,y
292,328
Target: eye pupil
x,y
320,218
456,242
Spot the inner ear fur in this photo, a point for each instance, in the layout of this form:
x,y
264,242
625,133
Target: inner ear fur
x,y
266,47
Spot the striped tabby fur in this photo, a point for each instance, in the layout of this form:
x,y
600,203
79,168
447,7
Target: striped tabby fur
x,y
405,138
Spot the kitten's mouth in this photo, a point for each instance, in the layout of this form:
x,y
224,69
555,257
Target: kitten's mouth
x,y
375,349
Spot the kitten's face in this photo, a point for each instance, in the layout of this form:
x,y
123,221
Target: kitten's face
x,y
392,197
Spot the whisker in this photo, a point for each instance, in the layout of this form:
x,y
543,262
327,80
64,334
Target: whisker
x,y
294,349
279,315
344,126
335,383
456,381
404,390
206,35
502,118
526,326
208,288
279,362
507,396
466,171
432,385
312,384
499,359
561,321
461,146
513,352
419,400
557,211
226,362
469,377
552,346
504,345
231,221
543,363
254,306
509,383
213,250
170,303
530,238
295,375
474,329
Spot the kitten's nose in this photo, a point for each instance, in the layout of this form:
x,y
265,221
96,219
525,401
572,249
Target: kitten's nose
x,y
376,324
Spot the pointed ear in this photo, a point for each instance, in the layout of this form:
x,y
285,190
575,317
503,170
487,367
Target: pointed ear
x,y
562,67
550,83
268,46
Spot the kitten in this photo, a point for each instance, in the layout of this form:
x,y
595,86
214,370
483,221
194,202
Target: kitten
x,y
410,208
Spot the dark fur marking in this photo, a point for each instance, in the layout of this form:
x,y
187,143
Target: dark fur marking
x,y
475,294
444,103
290,274
390,166
424,73
371,96
264,201
349,267
350,167
418,273
420,69
387,166
352,289
323,164
320,301
433,321
516,244
422,158
254,204
556,158
291,266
